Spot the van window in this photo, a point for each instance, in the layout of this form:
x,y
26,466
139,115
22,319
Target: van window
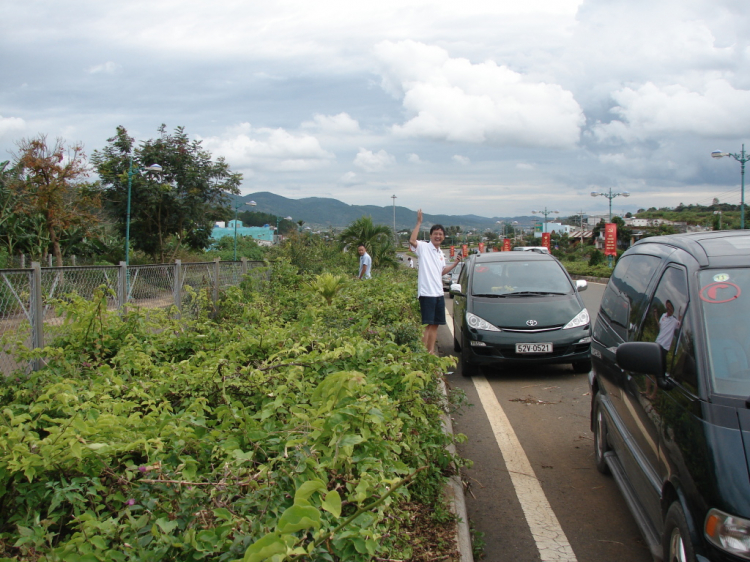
x,y
725,301
625,297
667,310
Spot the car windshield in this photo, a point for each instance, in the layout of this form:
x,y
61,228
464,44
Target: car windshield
x,y
725,299
519,277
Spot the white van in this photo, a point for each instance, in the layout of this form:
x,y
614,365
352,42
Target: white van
x,y
537,249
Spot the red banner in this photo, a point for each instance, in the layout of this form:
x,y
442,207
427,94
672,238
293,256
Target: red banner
x,y
547,240
610,239
506,245
464,250
481,247
453,251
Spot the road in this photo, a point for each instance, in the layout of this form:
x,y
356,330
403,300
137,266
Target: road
x,y
541,498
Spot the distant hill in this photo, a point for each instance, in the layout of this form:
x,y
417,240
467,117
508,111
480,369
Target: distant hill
x,y
319,212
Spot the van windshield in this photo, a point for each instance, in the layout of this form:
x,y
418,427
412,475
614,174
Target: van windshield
x,y
725,299
519,277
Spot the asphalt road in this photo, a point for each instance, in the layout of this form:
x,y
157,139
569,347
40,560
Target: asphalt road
x,y
558,506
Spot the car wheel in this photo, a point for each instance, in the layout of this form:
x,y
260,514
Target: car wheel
x,y
676,543
468,369
583,366
601,445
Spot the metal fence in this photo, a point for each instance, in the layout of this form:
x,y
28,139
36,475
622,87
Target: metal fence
x,y
26,295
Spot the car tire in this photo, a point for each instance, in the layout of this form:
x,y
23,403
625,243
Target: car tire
x,y
468,369
583,366
601,445
676,543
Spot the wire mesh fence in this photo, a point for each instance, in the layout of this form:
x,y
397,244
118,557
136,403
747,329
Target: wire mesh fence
x,y
27,314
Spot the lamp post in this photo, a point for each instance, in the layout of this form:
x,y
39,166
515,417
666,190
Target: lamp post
x,y
155,168
236,208
394,220
742,157
277,223
546,213
609,195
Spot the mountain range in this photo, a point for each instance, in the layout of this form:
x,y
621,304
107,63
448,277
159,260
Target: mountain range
x,y
324,213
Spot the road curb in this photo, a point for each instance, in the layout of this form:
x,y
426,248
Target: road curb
x,y
454,492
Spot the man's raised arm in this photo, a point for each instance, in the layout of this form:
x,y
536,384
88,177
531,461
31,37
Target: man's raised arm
x,y
415,232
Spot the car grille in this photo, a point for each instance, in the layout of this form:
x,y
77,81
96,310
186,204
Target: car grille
x,y
531,330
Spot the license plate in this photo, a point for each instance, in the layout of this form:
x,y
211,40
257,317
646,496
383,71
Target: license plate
x,y
533,348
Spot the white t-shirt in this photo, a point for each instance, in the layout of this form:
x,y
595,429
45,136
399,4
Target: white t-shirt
x,y
365,260
431,264
667,327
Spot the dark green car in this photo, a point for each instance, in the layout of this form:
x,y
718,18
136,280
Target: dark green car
x,y
519,308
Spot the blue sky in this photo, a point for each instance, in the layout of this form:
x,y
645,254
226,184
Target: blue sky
x,y
492,108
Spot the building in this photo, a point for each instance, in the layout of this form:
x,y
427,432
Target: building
x,y
263,235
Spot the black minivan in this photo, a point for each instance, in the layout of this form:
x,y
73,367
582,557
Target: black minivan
x,y
670,389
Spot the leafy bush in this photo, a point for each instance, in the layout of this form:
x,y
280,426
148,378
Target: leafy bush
x,y
276,425
596,258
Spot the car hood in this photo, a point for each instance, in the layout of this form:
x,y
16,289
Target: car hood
x,y
517,312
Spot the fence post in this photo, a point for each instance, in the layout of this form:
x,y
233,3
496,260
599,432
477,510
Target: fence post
x,y
122,273
178,285
216,280
73,260
243,268
37,311
49,260
23,261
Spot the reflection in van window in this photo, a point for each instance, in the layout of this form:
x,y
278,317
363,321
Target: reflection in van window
x,y
725,300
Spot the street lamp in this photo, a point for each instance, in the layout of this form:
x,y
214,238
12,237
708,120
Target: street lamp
x,y
610,196
394,220
742,157
155,168
502,223
277,223
236,208
546,213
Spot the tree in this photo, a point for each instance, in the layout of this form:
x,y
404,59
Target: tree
x,y
176,208
51,191
363,231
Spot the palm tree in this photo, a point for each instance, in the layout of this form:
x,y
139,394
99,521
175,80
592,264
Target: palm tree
x,y
363,231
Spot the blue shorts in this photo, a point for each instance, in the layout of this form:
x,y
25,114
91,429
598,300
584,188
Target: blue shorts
x,y
433,310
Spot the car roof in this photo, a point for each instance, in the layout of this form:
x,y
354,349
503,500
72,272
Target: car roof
x,y
513,256
706,247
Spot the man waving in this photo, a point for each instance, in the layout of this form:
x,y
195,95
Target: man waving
x,y
430,280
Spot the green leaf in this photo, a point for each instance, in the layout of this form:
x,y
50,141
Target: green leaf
x,y
307,489
223,513
350,439
332,503
165,525
264,548
298,517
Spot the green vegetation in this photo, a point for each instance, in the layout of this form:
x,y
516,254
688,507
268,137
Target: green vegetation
x,y
275,426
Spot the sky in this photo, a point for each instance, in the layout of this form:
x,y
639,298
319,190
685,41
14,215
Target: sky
x,y
485,107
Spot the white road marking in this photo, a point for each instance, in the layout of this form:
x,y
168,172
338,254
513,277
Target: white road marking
x,y
548,535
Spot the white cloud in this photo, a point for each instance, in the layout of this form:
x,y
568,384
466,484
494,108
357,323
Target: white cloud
x,y
349,179
415,159
106,68
524,166
719,110
373,161
269,149
10,127
455,100
341,123
463,160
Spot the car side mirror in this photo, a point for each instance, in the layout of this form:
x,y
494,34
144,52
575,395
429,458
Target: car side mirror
x,y
581,285
645,358
456,289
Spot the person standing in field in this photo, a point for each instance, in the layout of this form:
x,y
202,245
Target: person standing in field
x,y
430,273
365,262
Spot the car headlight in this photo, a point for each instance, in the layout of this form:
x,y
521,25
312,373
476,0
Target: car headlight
x,y
581,319
729,533
478,323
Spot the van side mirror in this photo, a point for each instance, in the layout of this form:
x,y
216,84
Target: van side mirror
x,y
646,358
581,285
456,289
